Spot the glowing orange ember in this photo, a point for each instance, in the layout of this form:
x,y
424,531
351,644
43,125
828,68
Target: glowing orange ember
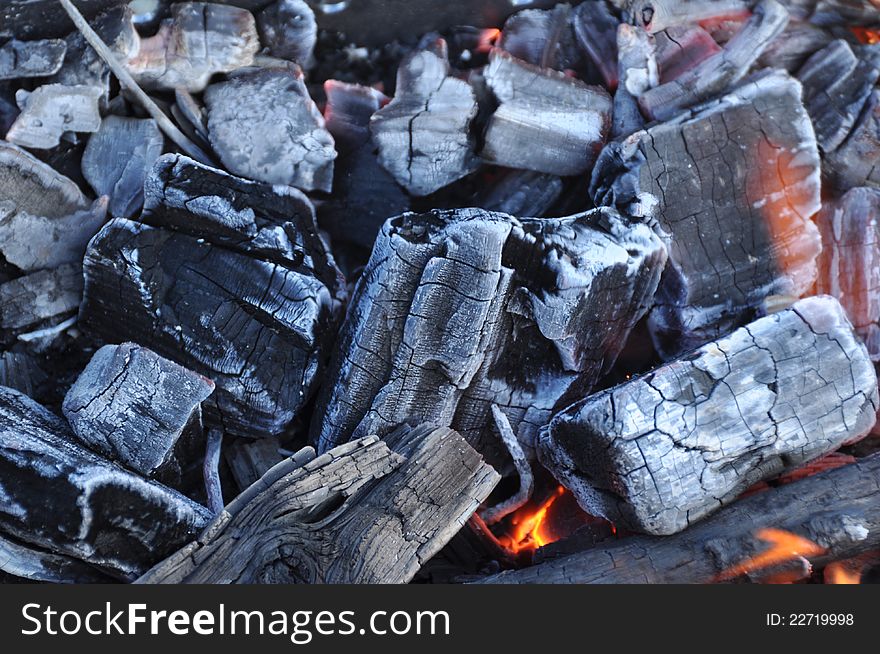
x,y
784,546
865,35
488,38
839,573
528,528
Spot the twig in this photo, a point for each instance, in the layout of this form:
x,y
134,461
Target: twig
x,y
212,474
495,513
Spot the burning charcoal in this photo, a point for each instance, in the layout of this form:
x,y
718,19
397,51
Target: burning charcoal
x,y
289,30
546,121
794,46
45,220
637,72
679,49
849,266
116,161
423,133
657,15
52,110
39,300
132,406
458,310
662,451
837,82
544,38
199,40
596,28
61,498
31,58
718,72
737,180
263,125
837,12
857,161
522,193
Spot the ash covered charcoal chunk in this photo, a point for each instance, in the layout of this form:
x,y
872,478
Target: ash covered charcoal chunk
x,y
544,38
263,125
50,111
423,134
595,29
62,499
857,161
20,59
737,181
39,300
132,406
459,310
658,15
288,30
662,451
681,48
546,121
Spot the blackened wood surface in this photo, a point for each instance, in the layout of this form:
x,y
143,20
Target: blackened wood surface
x,y
20,59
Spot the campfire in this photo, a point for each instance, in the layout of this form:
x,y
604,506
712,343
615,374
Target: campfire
x,y
506,293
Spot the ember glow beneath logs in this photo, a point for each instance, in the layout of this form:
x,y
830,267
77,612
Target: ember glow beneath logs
x,y
586,296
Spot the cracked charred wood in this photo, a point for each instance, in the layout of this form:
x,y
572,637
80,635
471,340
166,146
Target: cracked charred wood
x,y
544,38
662,451
423,134
263,125
289,30
679,49
360,513
595,28
255,327
521,193
199,40
794,46
19,59
839,510
837,82
545,121
458,310
117,159
723,69
61,498
637,72
657,15
737,181
857,161
45,220
39,300
849,266
50,111
132,406
34,564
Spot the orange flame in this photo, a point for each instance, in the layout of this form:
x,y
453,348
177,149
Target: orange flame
x,y
784,546
839,573
528,531
864,35
488,38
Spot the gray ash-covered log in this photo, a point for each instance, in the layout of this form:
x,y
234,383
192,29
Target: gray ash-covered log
x,y
737,180
458,310
662,451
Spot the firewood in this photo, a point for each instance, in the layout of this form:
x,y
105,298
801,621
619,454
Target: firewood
x,y
263,125
637,72
50,111
288,30
857,161
360,513
39,299
458,310
737,181
116,161
545,121
839,510
679,49
61,498
423,133
544,38
132,406
596,30
662,451
19,59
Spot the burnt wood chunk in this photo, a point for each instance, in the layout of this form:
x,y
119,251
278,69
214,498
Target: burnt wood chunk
x,y
637,73
423,134
459,310
61,498
50,111
360,513
545,121
289,30
31,563
521,193
595,28
857,161
737,182
794,46
838,510
20,369
116,161
657,15
662,451
544,38
39,300
679,49
263,125
132,406
250,460
19,59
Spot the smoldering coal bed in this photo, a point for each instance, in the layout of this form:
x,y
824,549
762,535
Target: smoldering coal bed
x,y
492,292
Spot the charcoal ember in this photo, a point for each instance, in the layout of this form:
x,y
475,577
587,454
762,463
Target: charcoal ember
x,y
38,300
289,30
50,111
522,193
423,133
682,48
192,112
658,15
545,121
837,82
263,125
132,406
45,220
458,310
544,38
662,451
595,28
254,327
116,161
364,193
794,46
849,266
637,72
715,74
61,498
19,59
856,162
737,181
20,370
198,41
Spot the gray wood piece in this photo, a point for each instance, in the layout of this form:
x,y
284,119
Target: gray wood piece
x,y
521,193
20,59
263,125
288,30
34,564
681,48
360,513
21,370
545,38
663,451
546,121
39,299
794,46
657,15
50,111
856,162
423,134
